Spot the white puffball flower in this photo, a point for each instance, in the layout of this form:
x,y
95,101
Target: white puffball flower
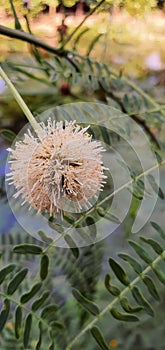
x,y
61,162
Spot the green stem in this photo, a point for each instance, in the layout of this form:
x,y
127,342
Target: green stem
x,y
111,304
82,22
20,101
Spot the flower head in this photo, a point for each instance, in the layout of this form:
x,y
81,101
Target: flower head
x,y
62,163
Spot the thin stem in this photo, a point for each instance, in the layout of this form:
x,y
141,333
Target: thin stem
x,y
20,101
110,305
82,22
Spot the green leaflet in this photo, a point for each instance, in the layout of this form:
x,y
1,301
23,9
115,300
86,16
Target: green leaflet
x,y
38,345
5,271
91,307
48,310
44,266
16,281
92,44
96,333
27,296
39,302
155,187
141,300
91,226
151,287
18,321
74,249
160,274
111,288
51,346
79,36
123,316
17,22
130,260
27,249
140,251
44,237
56,325
158,229
7,135
155,245
27,329
4,313
128,308
119,272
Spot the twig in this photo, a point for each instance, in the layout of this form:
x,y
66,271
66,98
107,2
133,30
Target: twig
x,y
112,303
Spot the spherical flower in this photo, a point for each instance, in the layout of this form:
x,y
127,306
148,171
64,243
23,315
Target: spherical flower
x,y
61,163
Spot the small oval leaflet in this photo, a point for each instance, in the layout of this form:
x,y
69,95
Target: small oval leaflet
x,y
155,245
158,229
27,330
5,271
34,290
128,308
91,226
15,282
39,302
160,274
4,313
123,316
48,310
7,135
44,267
56,325
18,321
119,272
111,288
44,237
38,345
131,261
141,300
140,251
151,287
91,307
27,249
95,331
74,249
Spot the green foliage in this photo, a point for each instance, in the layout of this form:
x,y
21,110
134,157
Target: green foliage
x,y
54,298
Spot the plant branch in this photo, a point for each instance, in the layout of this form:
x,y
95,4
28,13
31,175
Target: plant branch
x,y
32,39
29,38
119,189
110,305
